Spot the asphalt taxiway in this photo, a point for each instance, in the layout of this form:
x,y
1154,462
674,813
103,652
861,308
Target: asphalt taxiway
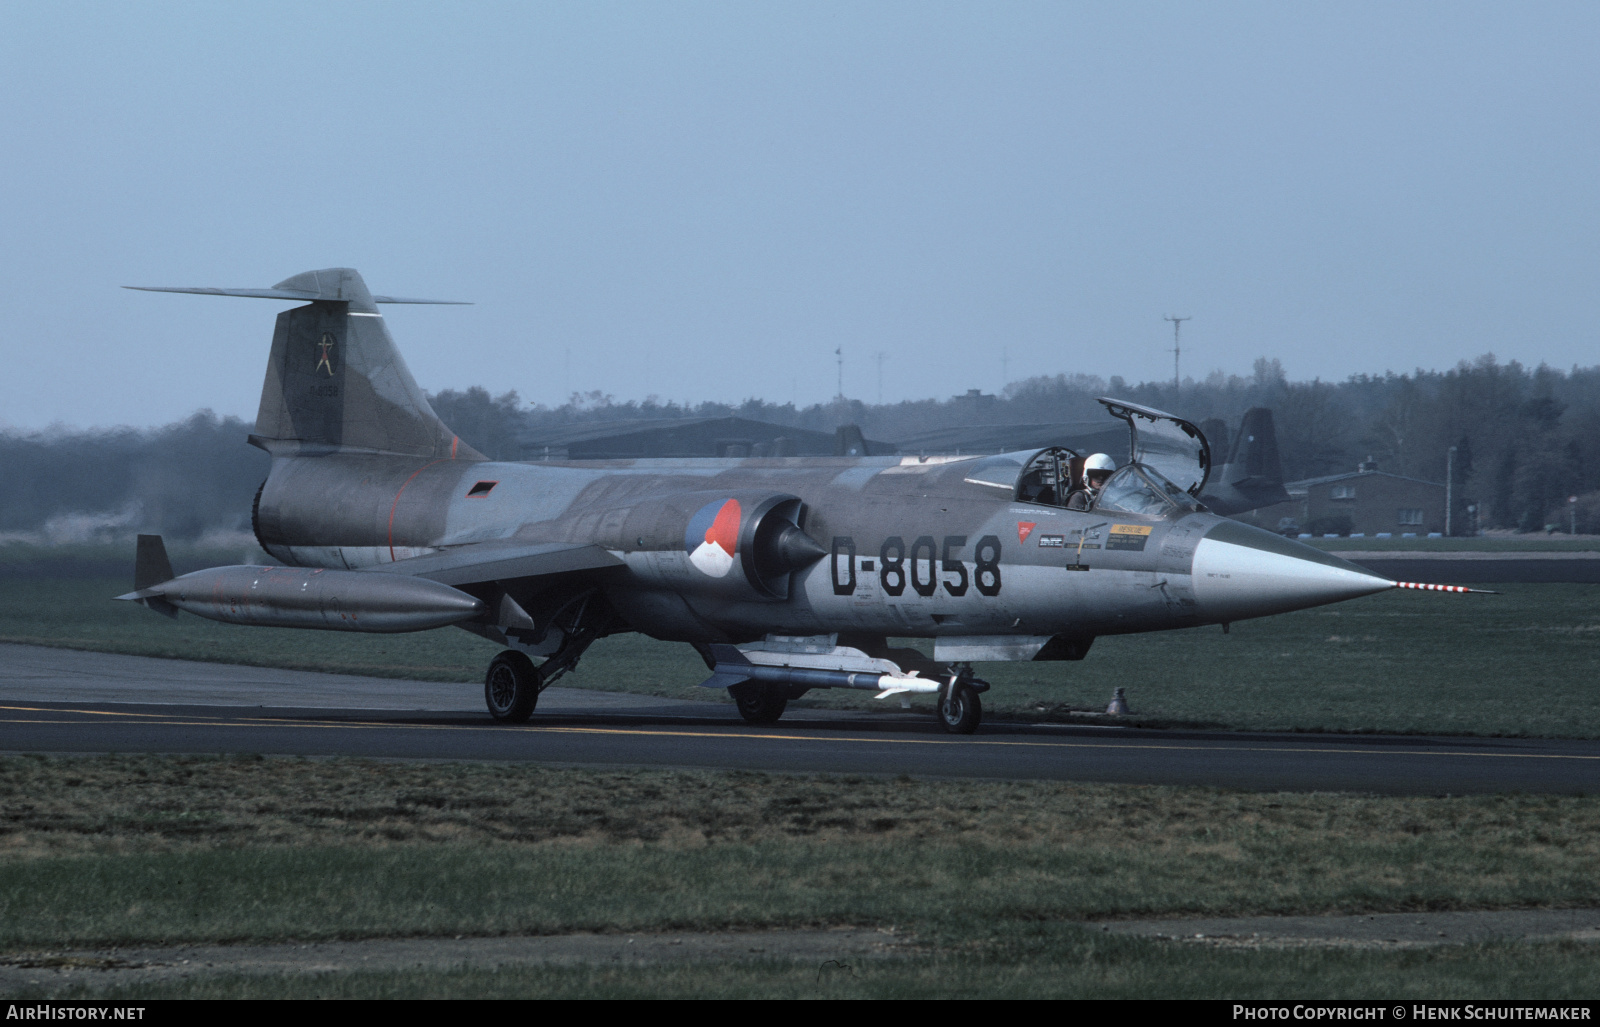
x,y
64,701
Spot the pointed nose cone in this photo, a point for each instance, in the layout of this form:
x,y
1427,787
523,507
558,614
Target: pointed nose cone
x,y
1241,571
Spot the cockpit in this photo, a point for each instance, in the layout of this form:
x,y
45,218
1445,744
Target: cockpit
x,y
1166,469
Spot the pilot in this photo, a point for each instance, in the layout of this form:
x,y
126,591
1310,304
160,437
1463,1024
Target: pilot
x,y
1096,470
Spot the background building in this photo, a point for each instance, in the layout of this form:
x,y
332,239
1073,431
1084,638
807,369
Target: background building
x,y
1364,501
692,437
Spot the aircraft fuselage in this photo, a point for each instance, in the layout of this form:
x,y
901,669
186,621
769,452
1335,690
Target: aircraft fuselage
x,y
913,548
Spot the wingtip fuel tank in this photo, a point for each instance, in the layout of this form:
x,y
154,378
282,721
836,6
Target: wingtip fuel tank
x,y
305,597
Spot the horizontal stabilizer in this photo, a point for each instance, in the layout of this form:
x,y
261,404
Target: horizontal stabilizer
x,y
151,599
301,295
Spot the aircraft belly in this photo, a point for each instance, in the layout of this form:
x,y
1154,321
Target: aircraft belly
x,y
664,614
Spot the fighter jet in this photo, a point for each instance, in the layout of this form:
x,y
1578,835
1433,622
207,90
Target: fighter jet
x,y
786,574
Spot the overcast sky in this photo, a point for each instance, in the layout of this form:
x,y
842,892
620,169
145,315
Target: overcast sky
x,y
704,201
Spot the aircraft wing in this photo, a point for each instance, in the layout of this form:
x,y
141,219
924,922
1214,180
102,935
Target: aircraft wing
x,y
503,561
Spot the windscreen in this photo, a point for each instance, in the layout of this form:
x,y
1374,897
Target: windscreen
x,y
1143,490
1169,445
1130,492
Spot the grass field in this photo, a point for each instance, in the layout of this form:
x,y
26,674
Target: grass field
x,y
1521,663
986,877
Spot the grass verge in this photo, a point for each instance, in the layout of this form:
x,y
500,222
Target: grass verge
x,y
1034,961
101,851
126,850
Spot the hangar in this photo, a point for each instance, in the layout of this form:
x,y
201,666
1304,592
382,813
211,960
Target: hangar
x,y
692,437
1364,501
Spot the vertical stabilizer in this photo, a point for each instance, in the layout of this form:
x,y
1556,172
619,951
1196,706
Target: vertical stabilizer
x,y
848,441
1253,475
335,378
1255,454
1215,429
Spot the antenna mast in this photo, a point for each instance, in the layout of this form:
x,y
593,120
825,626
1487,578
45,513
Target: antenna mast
x,y
838,355
1177,380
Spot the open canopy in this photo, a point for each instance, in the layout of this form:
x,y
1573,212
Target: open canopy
x,y
1169,445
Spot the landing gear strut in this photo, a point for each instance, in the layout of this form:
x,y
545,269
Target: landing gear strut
x,y
512,686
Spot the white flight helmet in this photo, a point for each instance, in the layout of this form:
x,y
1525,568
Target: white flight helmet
x,y
1098,462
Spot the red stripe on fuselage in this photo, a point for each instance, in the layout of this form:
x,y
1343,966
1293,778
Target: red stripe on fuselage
x,y
396,504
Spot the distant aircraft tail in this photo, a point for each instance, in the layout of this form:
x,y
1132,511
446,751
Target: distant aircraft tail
x,y
1253,460
1252,475
335,380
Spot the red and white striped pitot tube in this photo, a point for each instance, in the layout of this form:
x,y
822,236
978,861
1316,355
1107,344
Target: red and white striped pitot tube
x,y
1443,588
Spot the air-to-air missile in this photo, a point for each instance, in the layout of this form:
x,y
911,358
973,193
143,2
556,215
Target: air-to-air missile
x,y
785,574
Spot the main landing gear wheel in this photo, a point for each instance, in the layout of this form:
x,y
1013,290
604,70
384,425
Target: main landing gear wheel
x,y
959,708
511,687
759,703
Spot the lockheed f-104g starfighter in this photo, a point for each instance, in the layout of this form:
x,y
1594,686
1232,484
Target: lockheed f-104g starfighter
x,y
785,574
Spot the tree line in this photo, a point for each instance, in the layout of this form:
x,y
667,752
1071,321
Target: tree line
x,y
1524,438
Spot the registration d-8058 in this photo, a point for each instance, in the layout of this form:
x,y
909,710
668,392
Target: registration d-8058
x,y
927,565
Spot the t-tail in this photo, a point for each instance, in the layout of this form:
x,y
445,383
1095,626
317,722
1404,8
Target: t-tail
x,y
335,381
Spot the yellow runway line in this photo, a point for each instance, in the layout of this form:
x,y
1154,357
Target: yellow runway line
x,y
157,719
1094,745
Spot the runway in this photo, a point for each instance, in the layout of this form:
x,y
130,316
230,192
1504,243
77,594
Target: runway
x,y
61,701
1481,568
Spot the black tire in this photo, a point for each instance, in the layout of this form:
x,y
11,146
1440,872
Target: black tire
x,y
959,708
759,703
511,688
